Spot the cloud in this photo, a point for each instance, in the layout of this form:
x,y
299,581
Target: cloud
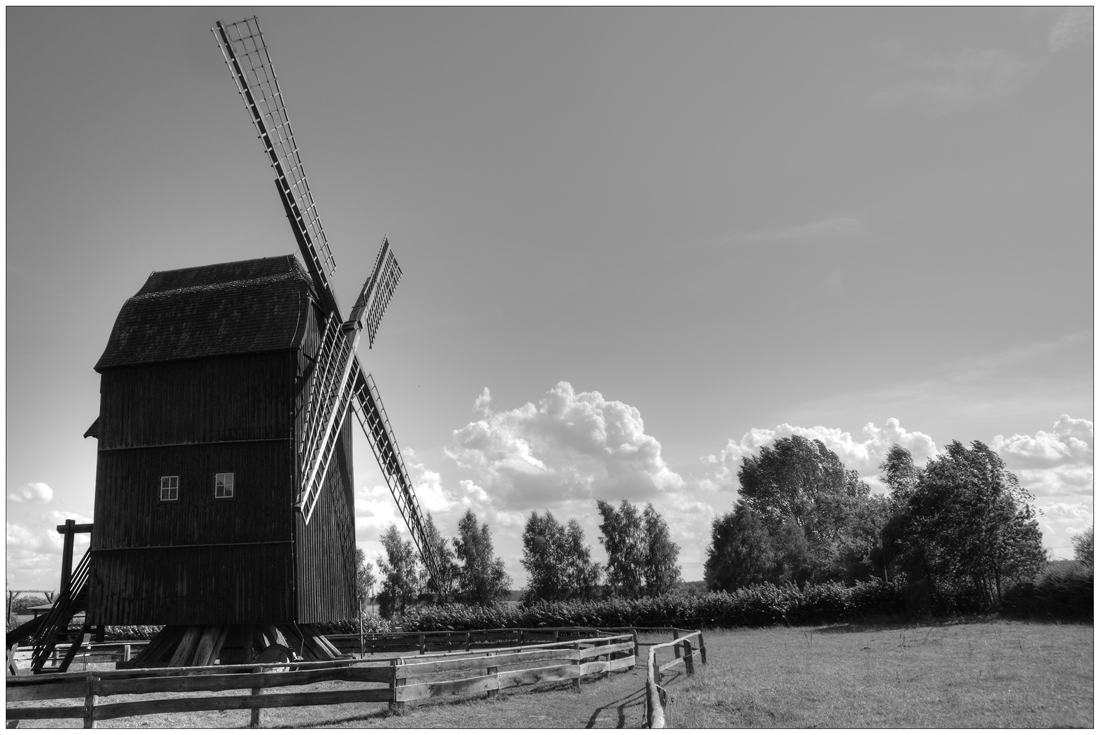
x,y
1072,26
835,227
1056,467
32,492
571,446
862,456
946,84
34,549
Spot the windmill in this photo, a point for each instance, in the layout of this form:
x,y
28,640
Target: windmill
x,y
224,503
343,381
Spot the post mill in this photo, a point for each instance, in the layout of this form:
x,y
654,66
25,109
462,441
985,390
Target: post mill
x,y
224,500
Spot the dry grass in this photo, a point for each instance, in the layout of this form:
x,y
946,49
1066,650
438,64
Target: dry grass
x,y
993,674
990,674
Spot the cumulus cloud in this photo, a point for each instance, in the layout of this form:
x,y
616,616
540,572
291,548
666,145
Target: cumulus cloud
x,y
1072,26
34,549
863,456
1057,468
571,446
32,492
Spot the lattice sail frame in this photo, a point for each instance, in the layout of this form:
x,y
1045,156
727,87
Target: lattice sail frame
x,y
245,52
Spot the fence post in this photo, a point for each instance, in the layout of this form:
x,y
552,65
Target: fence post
x,y
577,648
257,713
702,648
423,645
125,651
491,671
395,706
677,651
467,640
90,701
689,660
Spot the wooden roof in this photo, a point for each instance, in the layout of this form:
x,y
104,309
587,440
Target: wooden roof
x,y
248,306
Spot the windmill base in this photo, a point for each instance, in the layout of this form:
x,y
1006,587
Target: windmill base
x,y
206,645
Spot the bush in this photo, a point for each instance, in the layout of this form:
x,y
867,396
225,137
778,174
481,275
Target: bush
x,y
372,623
1063,592
758,605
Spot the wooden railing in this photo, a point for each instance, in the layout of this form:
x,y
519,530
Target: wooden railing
x,y
684,652
396,681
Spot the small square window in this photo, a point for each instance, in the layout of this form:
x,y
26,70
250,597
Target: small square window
x,y
169,488
223,485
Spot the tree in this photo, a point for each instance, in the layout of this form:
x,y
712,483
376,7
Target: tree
x,y
740,552
558,562
641,557
398,570
623,538
822,522
481,577
442,588
364,577
1082,547
802,482
662,572
968,524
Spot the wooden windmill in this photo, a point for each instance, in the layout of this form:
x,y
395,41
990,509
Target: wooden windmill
x,y
224,490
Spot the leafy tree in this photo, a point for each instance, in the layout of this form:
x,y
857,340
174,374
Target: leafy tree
x,y
662,573
740,552
581,573
641,557
558,562
802,482
443,588
364,577
481,577
623,538
968,525
399,573
821,519
1082,547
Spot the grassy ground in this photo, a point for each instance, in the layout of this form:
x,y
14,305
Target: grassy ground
x,y
990,674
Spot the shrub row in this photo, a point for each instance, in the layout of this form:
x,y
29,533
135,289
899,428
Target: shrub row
x,y
759,605
1062,593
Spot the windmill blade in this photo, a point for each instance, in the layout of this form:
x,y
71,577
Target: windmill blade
x,y
330,394
377,291
376,425
245,52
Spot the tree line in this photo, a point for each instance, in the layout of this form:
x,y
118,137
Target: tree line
x,y
960,527
642,560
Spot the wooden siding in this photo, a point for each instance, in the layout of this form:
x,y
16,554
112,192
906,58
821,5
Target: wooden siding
x,y
326,547
204,585
129,512
216,399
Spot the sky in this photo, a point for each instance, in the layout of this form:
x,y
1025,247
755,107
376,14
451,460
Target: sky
x,y
638,244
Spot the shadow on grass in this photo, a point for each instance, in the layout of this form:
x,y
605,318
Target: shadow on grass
x,y
636,698
872,626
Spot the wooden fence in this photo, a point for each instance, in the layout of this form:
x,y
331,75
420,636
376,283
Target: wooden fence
x,y
394,681
684,652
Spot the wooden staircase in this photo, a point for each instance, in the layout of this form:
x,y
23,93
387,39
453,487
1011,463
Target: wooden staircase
x,y
54,627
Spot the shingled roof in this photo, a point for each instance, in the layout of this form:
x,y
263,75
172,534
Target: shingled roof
x,y
227,309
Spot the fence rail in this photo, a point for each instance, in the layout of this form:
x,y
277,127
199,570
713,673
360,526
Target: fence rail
x,y
398,680
684,654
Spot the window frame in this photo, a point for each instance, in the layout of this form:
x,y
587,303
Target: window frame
x,y
221,485
170,487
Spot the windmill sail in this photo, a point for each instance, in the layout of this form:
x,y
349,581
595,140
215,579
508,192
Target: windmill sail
x,y
245,52
376,425
340,380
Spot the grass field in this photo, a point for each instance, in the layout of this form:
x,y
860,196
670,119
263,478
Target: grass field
x,y
988,674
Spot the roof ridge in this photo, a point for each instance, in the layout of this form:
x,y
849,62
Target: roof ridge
x,y
219,286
